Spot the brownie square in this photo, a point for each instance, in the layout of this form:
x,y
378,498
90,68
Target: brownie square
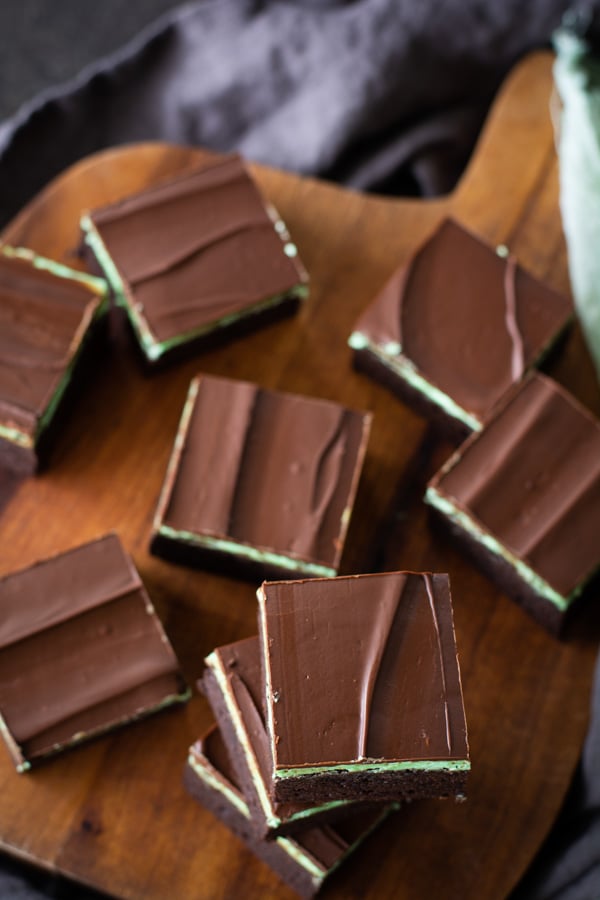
x,y
523,497
260,481
81,651
363,693
196,255
456,327
303,862
48,317
234,686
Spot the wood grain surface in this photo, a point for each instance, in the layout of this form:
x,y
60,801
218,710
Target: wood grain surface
x,y
114,814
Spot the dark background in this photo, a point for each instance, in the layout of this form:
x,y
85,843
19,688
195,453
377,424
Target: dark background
x,y
46,42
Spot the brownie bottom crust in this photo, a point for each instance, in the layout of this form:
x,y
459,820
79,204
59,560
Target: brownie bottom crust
x,y
384,786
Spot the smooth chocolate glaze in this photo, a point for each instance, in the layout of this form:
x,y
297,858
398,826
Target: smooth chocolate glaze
x,y
532,480
43,319
197,248
468,318
362,668
324,846
271,470
81,647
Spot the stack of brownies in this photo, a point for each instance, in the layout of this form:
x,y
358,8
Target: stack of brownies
x,y
347,705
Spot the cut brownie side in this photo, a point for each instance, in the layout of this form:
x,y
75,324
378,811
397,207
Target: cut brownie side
x,y
303,862
363,692
457,327
234,686
260,480
49,321
194,256
81,651
524,498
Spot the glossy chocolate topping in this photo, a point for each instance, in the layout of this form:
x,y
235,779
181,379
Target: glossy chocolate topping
x,y
363,668
80,646
43,318
326,845
196,248
532,480
467,317
268,469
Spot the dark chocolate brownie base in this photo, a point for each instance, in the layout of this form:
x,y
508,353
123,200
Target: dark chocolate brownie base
x,y
185,554
403,787
450,428
505,577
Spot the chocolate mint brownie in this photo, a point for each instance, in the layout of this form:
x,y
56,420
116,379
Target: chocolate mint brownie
x,y
260,481
196,255
81,651
363,693
523,497
456,327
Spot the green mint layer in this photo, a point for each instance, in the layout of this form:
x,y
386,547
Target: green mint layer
x,y
316,872
15,436
218,671
97,285
217,785
186,413
525,572
409,765
103,257
243,551
402,367
152,347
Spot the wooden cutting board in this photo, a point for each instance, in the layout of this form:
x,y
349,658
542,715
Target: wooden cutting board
x,y
113,814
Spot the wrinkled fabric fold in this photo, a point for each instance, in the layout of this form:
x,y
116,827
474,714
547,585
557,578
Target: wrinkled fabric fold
x,y
377,94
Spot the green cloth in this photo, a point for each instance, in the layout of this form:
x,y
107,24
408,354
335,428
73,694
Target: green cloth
x,y
577,78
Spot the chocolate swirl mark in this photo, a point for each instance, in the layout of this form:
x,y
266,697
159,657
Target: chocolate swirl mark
x,y
517,361
378,639
202,243
325,483
429,589
216,303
